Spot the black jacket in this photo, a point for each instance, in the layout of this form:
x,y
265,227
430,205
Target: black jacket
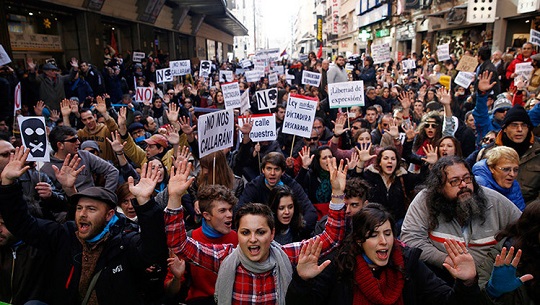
x,y
123,260
422,286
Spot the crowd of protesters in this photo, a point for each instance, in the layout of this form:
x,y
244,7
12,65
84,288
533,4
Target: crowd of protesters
x,y
414,197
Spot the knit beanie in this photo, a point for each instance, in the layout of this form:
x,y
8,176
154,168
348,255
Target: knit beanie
x,y
517,114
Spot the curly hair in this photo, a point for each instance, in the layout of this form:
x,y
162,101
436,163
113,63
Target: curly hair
x,y
210,193
356,187
422,136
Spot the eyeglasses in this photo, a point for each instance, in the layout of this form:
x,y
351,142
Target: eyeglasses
x,y
72,140
488,140
457,181
355,127
517,125
314,139
507,170
431,125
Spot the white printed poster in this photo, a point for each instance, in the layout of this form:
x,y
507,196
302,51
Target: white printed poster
x,y
34,137
311,78
380,53
346,94
299,116
273,79
246,63
279,69
443,52
164,75
205,69
215,131
266,99
231,95
252,76
138,56
245,105
264,127
534,38
180,67
225,76
144,94
524,69
408,64
464,79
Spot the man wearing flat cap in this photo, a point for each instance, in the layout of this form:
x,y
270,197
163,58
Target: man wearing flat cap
x,y
100,258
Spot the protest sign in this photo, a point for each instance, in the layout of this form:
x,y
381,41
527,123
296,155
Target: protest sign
x,y
268,55
205,69
380,53
279,69
303,57
138,56
180,67
225,76
246,63
34,137
163,75
215,131
144,94
266,99
4,58
443,52
231,95
408,64
349,67
273,78
467,64
445,80
299,116
464,79
524,69
17,98
252,76
264,127
346,94
245,105
311,78
289,77
535,37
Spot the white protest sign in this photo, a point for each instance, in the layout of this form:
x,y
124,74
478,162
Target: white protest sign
x,y
205,69
34,137
180,67
443,52
144,94
163,75
252,76
279,69
215,131
266,99
138,56
289,77
464,79
231,95
299,116
346,94
311,78
17,98
264,127
246,63
245,105
408,64
525,69
535,37
225,76
273,78
4,58
380,53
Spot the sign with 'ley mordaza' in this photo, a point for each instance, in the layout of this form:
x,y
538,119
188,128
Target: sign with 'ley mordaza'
x,y
299,115
215,131
346,94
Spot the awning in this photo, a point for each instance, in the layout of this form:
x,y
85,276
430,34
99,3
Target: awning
x,y
441,13
216,14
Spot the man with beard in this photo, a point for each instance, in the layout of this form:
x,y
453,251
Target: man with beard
x,y
453,206
337,73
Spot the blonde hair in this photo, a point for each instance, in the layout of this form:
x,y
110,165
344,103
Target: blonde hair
x,y
501,152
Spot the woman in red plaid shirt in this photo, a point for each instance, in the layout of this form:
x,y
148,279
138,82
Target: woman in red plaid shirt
x,y
259,270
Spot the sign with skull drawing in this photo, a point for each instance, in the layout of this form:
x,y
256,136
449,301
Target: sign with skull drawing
x,y
34,136
205,69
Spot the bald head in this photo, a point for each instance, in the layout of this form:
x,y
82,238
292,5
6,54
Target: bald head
x,y
5,151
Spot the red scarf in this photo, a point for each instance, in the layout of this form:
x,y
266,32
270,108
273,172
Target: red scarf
x,y
387,290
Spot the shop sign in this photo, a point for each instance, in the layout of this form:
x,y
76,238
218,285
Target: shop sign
x,y
382,33
481,12
376,15
35,42
405,32
525,6
335,17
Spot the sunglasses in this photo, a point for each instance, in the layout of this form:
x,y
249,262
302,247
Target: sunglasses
x,y
488,140
72,140
312,139
431,125
355,127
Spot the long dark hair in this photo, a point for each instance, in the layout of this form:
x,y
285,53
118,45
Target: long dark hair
x,y
379,158
457,146
364,223
316,164
278,192
422,136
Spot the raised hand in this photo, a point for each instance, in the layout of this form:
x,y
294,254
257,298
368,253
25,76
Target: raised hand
x,y
74,63
116,143
101,105
405,99
364,152
444,96
353,162
183,154
54,116
393,129
67,175
179,181
172,135
122,120
186,127
308,259
484,81
339,124
16,166
338,176
463,263
431,154
31,65
304,154
410,131
147,184
503,277
65,107
38,108
172,112
247,125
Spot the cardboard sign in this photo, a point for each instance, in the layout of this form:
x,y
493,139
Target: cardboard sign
x,y
346,94
445,80
273,78
535,37
180,67
17,101
138,56
253,76
264,127
443,52
4,58
311,78
231,95
408,64
467,64
144,94
215,131
299,116
34,137
266,99
225,76
245,105
380,53
205,69
164,75
464,79
246,63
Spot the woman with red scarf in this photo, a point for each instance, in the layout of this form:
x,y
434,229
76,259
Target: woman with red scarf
x,y
372,267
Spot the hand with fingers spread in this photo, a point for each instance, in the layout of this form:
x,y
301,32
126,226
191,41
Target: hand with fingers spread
x,y
339,124
405,99
308,261
179,181
393,129
503,277
183,154
410,131
185,127
338,176
101,105
172,135
65,107
147,184
364,152
247,125
462,267
54,116
431,154
353,162
67,175
38,108
484,80
172,112
30,64
16,166
304,154
116,143
444,96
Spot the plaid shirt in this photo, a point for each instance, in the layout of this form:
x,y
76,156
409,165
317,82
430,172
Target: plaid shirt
x,y
249,288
